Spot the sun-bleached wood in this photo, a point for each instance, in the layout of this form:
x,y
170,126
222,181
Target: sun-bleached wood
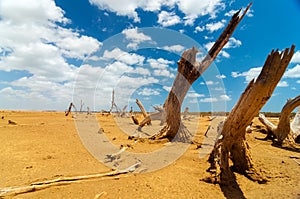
x,y
283,130
232,142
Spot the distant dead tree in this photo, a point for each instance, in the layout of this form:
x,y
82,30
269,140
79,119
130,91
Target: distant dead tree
x,y
113,104
81,106
68,111
284,130
232,142
123,112
185,114
144,112
189,70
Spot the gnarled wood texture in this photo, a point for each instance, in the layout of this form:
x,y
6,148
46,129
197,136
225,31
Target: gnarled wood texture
x,y
232,143
283,130
190,70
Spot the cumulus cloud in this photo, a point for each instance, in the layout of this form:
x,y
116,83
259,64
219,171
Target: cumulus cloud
x,y
209,100
148,92
232,12
233,43
225,97
193,94
209,82
293,72
249,75
167,88
159,63
168,19
296,57
174,48
135,37
42,50
128,58
221,76
283,84
199,29
212,27
192,8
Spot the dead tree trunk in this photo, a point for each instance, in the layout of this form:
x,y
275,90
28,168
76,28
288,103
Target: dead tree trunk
x,y
68,111
283,130
145,114
113,103
232,143
81,106
189,71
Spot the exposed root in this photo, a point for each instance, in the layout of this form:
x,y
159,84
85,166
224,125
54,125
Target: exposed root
x,y
183,134
220,170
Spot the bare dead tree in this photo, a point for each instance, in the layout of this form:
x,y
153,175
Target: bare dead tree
x,y
232,142
113,103
188,72
283,130
68,111
185,114
123,112
81,106
144,112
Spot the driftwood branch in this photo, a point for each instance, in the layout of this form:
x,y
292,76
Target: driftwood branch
x,y
283,130
10,191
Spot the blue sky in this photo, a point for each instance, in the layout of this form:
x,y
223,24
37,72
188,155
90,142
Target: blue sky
x,y
55,52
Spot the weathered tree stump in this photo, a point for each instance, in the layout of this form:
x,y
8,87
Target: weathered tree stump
x,y
189,70
232,142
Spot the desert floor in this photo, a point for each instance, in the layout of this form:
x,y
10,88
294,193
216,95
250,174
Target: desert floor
x,y
46,145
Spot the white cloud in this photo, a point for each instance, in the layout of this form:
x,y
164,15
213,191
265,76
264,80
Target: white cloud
x,y
283,84
37,42
225,97
293,72
128,58
211,27
298,81
224,54
296,57
167,88
209,82
209,45
209,100
141,71
168,19
135,37
159,63
232,12
249,75
148,92
174,48
221,76
191,8
233,43
201,8
163,73
193,94
189,20
199,29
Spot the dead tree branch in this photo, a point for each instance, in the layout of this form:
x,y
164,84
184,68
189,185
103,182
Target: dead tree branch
x,y
283,130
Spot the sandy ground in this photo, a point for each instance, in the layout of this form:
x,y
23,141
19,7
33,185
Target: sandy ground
x,y
46,145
